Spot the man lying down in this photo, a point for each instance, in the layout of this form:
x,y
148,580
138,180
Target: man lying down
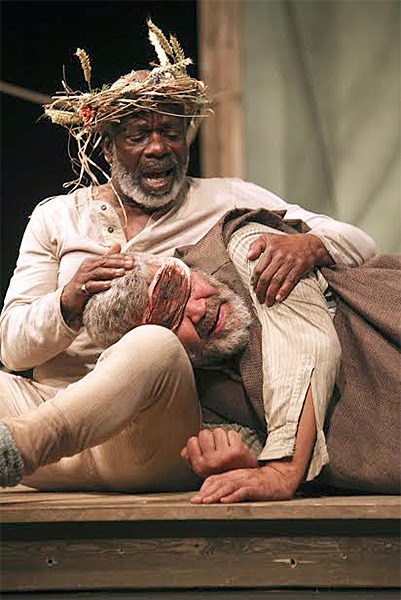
x,y
235,404
265,376
297,356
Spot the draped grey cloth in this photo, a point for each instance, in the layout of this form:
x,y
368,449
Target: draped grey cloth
x,y
364,428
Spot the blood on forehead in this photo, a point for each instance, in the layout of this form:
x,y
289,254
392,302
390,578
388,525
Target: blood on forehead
x,y
168,296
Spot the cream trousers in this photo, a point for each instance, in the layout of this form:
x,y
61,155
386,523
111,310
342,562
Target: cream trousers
x,y
121,427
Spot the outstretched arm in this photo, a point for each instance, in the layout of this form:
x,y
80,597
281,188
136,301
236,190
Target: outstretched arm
x,y
276,480
300,353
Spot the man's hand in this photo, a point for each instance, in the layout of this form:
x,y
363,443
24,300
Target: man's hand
x,y
216,451
260,483
277,480
283,260
94,275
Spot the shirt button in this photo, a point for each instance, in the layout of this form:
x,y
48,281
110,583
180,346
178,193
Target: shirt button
x,y
110,229
103,207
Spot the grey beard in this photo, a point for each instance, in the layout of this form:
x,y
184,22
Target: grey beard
x,y
130,187
234,336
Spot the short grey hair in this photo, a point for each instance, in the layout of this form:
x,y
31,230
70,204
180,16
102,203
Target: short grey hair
x,y
111,314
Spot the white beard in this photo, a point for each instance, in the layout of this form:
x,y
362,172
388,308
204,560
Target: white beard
x,y
129,186
233,337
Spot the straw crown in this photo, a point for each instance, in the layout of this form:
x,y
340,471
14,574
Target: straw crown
x,y
84,114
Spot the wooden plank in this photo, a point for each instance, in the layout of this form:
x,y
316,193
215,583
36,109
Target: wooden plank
x,y
171,562
32,506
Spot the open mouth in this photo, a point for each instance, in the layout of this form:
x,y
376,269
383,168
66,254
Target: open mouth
x,y
159,179
156,174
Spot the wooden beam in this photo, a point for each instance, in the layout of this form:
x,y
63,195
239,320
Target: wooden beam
x,y
220,52
171,555
88,541
27,506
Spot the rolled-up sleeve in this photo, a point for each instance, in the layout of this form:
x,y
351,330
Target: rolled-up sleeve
x,y
300,349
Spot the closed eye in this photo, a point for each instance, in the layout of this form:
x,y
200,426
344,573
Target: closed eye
x,y
134,139
172,135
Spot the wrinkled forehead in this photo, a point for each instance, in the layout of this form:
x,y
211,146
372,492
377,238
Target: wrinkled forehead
x,y
173,116
167,113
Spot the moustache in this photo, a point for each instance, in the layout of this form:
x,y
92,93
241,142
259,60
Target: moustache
x,y
159,164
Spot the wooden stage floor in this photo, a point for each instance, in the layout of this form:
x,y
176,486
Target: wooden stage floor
x,y
98,541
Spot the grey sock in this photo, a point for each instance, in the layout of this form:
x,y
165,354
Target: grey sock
x,y
11,464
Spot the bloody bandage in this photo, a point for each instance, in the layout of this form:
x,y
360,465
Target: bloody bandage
x,y
168,295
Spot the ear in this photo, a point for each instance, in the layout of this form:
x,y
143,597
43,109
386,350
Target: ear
x,y
192,130
107,148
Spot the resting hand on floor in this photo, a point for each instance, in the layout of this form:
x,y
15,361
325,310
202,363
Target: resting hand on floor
x,y
260,483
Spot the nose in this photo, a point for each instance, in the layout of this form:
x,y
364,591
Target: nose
x,y
195,309
156,145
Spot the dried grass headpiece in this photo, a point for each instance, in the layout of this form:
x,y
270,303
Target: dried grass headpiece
x,y
86,114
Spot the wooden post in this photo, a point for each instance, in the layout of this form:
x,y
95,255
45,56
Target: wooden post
x,y
220,52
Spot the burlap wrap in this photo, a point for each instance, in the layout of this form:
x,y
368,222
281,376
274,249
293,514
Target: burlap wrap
x,y
364,424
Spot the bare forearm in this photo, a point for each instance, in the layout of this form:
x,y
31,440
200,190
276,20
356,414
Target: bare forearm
x,y
277,480
293,469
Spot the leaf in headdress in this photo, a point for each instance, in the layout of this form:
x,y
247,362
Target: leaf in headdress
x,y
178,51
85,64
161,55
62,117
160,43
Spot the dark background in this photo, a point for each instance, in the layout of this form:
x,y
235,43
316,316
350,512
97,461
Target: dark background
x,y
37,39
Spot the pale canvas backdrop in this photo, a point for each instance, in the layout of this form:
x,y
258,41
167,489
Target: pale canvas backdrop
x,y
321,105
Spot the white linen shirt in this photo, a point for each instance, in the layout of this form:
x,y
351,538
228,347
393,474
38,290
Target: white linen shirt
x,y
300,348
66,229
